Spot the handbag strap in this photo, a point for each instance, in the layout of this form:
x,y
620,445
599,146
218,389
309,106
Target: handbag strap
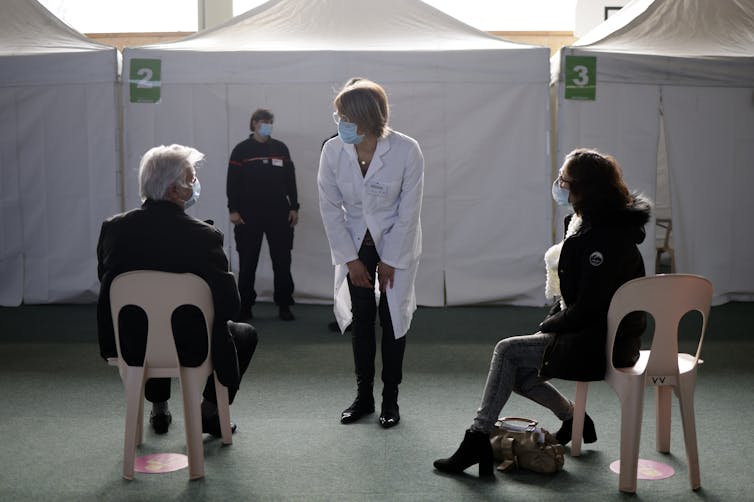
x,y
530,425
506,423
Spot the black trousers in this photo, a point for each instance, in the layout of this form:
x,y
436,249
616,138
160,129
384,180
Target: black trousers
x,y
279,235
363,338
245,339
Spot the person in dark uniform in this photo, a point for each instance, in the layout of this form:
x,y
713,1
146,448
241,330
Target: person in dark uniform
x,y
263,200
161,236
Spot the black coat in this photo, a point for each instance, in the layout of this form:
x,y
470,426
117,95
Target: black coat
x,y
594,263
161,236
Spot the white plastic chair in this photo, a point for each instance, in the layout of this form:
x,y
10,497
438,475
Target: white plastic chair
x,y
159,294
668,298
666,247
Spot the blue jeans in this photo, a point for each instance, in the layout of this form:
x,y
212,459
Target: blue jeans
x,y
514,367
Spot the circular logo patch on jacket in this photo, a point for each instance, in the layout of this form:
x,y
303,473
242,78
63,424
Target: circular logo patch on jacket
x,y
596,259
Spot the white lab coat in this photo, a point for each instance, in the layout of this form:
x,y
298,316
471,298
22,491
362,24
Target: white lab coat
x,y
387,201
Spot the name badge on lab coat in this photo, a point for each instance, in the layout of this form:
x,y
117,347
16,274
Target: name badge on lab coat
x,y
376,188
277,162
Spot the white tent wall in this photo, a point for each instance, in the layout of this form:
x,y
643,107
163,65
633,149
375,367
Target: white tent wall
x,y
710,141
696,73
624,122
479,112
486,190
58,156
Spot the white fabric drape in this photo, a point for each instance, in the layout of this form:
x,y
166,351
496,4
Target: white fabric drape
x,y
58,156
710,140
698,72
477,105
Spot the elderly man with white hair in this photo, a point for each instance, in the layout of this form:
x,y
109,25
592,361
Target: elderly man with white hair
x,y
159,235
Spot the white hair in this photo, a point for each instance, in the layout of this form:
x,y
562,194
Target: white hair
x,y
163,166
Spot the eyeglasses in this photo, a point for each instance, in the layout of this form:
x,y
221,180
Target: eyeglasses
x,y
190,184
336,117
562,181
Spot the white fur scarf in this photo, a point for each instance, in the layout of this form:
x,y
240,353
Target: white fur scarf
x,y
552,257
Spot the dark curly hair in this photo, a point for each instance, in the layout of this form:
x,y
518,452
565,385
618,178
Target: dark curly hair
x,y
595,182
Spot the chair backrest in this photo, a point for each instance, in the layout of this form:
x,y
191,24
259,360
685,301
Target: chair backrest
x,y
159,294
668,297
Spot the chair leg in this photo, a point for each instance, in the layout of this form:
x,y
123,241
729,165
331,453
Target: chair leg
x,y
140,421
191,384
632,409
663,401
134,384
223,411
685,393
579,410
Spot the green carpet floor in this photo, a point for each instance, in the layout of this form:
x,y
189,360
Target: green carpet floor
x,y
61,419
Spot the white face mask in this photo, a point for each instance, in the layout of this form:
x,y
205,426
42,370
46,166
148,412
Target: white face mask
x,y
264,129
347,133
196,190
560,194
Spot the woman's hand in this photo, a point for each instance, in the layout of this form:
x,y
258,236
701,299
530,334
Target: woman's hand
x,y
359,274
236,219
386,276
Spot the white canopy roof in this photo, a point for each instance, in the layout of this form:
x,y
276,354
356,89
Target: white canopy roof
x,y
680,41
60,53
394,25
321,43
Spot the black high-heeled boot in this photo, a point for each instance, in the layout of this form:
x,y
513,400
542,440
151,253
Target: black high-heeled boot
x,y
589,434
475,449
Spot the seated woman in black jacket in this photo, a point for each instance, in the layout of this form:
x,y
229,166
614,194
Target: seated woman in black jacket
x,y
599,254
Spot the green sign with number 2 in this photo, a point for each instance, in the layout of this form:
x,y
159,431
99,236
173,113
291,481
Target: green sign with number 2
x,y
581,77
144,80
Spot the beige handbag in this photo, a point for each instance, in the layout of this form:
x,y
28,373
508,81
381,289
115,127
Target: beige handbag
x,y
518,442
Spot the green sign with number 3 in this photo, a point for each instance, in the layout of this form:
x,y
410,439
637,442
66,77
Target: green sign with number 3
x,y
144,80
581,77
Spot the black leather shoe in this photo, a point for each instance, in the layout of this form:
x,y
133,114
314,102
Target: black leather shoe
x,y
211,426
284,312
356,411
160,421
389,416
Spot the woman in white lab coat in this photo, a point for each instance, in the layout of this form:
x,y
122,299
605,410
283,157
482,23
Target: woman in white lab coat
x,y
370,192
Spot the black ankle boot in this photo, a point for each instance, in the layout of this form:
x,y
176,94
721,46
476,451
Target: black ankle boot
x,y
389,414
363,404
564,434
475,449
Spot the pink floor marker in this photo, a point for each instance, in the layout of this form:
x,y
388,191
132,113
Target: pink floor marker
x,y
648,469
158,463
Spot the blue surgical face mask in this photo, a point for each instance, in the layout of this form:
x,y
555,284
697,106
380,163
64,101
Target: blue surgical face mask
x,y
347,133
196,190
265,129
560,194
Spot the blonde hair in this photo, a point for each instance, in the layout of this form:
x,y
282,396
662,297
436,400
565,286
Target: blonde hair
x,y
364,103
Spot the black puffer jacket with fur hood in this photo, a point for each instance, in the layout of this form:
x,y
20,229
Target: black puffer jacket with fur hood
x,y
594,262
